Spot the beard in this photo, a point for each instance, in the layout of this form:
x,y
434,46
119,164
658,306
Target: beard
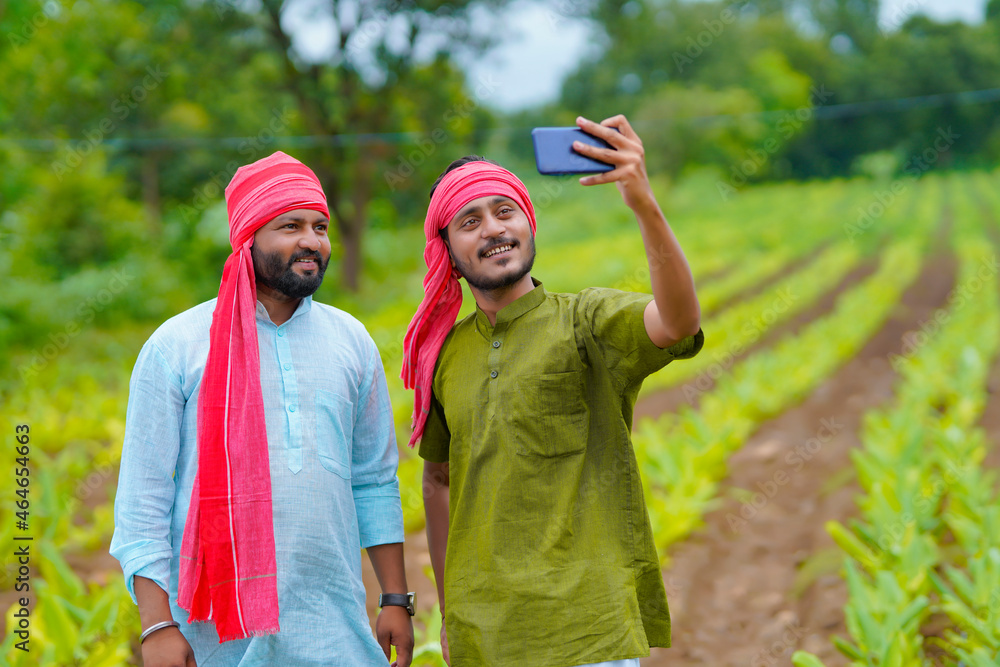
x,y
509,277
273,271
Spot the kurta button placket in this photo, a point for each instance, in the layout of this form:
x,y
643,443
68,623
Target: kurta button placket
x,y
290,396
524,468
494,339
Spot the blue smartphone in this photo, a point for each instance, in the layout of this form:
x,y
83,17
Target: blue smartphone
x,y
554,152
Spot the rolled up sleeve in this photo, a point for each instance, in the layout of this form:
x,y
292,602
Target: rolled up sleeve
x,y
615,319
145,497
374,461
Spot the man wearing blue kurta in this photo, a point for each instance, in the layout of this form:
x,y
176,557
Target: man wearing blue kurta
x,y
331,457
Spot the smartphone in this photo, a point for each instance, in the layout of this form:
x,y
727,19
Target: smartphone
x,y
554,152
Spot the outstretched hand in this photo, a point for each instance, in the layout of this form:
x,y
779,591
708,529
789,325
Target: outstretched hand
x,y
627,156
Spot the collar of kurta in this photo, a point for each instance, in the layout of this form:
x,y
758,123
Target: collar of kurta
x,y
514,310
304,307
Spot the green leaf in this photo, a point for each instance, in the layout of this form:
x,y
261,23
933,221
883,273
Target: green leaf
x,y
803,659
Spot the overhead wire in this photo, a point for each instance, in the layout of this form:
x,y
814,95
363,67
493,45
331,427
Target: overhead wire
x,y
818,112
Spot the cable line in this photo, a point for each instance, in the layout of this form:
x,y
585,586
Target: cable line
x,y
820,112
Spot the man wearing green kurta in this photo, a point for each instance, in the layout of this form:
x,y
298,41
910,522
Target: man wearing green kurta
x,y
536,523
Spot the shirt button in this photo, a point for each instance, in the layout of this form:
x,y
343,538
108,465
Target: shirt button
x,y
493,374
291,408
496,343
281,332
288,367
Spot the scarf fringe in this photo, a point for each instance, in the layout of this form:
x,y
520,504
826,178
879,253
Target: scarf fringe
x,y
252,633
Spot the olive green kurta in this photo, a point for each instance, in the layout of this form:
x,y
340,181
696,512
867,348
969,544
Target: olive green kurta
x,y
550,558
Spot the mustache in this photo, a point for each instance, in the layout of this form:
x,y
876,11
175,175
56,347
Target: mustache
x,y
306,254
501,242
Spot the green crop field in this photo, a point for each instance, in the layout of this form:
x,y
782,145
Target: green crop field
x,y
795,281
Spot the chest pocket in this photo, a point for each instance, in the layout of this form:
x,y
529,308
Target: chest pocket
x,y
556,419
334,432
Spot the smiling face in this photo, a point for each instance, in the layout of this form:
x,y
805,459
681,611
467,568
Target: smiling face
x,y
491,244
290,253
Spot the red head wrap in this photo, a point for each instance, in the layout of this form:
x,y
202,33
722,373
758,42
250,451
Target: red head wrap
x,y
228,569
442,293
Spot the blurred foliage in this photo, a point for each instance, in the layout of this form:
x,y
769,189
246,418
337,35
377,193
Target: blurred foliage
x,y
679,66
122,122
151,90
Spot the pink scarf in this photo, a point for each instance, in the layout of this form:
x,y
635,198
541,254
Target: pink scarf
x,y
228,572
442,294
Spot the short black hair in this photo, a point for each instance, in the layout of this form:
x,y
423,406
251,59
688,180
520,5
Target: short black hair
x,y
458,163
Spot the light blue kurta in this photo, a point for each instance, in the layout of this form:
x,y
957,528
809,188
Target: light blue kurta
x,y
333,463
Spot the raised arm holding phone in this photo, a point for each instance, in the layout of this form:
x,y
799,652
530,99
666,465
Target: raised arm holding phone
x,y
536,523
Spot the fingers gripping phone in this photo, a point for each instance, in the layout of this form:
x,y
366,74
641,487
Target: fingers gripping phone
x,y
554,152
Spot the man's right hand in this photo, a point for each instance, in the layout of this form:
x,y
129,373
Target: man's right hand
x,y
167,648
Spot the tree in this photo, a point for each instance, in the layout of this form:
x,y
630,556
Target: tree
x,y
668,59
993,10
857,19
388,68
176,95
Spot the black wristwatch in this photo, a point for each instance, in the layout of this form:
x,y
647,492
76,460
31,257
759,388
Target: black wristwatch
x,y
398,600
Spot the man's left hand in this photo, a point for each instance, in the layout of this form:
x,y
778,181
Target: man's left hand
x,y
627,156
394,627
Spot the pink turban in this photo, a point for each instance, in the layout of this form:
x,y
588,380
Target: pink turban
x,y
228,572
442,294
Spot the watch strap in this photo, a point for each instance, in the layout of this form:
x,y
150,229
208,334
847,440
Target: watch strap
x,y
397,600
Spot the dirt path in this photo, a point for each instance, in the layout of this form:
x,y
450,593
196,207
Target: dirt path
x,y
990,420
417,556
753,587
760,564
758,288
